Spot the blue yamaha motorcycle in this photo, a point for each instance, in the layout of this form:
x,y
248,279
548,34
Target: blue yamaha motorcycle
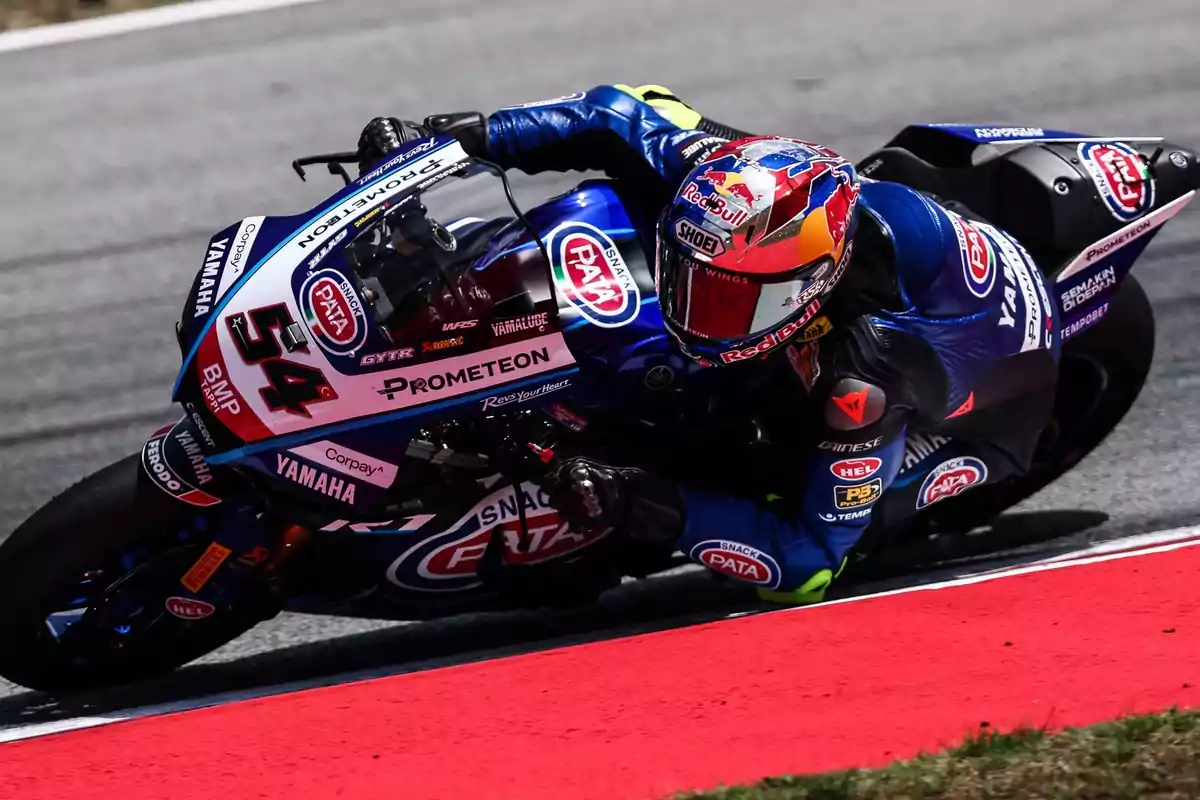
x,y
375,391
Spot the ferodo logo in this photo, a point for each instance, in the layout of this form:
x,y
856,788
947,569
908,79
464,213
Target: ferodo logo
x,y
772,340
334,312
951,478
592,275
189,608
856,469
978,257
1120,176
738,561
449,561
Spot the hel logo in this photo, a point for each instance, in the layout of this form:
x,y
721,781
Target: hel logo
x,y
857,496
738,561
978,257
951,478
699,239
189,608
450,561
592,275
856,469
1120,176
334,312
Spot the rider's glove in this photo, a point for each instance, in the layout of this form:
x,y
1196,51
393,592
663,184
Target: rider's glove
x,y
384,134
643,506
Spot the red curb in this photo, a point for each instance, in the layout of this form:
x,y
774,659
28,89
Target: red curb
x,y
855,684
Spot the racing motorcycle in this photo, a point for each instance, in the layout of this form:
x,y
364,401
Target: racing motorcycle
x,y
375,391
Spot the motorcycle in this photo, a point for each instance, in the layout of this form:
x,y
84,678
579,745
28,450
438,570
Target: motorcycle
x,y
375,392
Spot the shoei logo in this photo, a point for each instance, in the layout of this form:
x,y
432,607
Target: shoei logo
x,y
698,239
978,257
592,275
951,478
333,312
1120,176
738,561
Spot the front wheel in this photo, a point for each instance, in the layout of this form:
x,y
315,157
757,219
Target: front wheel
x,y
83,585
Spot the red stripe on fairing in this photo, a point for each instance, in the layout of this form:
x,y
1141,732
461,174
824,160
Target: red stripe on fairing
x,y
720,309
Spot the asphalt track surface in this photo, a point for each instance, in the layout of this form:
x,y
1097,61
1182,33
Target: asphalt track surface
x,y
120,156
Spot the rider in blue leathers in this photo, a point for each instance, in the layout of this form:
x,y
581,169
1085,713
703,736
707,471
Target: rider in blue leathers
x,y
921,340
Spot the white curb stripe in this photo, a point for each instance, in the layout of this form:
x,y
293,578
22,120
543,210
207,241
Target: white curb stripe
x,y
1140,545
130,21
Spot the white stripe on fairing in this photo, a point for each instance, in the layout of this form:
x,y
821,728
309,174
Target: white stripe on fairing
x,y
1113,550
458,223
1099,249
130,21
247,234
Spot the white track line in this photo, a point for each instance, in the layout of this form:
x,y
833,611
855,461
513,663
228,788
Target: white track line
x,y
130,21
1131,547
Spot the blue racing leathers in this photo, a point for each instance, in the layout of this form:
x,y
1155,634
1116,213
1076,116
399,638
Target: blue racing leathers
x,y
932,372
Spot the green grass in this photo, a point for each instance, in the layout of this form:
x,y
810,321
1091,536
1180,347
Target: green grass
x,y
27,13
1155,756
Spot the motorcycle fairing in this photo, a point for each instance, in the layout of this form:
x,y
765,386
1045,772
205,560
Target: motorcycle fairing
x,y
259,392
991,133
225,261
1085,286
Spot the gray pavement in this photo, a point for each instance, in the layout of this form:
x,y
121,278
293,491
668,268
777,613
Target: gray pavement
x,y
120,156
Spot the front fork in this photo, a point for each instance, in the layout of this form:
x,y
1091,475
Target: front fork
x,y
239,547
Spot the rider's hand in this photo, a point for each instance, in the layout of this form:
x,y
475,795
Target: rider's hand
x,y
593,495
383,135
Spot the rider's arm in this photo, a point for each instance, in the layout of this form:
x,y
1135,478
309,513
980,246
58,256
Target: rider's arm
x,y
878,383
620,130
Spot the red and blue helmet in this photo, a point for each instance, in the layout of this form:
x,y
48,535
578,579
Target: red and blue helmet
x,y
755,240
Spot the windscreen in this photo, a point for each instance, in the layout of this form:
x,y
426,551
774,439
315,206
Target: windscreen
x,y
387,301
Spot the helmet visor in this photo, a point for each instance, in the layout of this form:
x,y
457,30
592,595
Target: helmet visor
x,y
714,304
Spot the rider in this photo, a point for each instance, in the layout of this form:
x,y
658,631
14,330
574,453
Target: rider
x,y
942,331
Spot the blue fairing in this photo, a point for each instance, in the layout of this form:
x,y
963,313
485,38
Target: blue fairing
x,y
613,357
614,360
986,134
278,231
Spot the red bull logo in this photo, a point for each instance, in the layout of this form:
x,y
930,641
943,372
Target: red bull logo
x,y
729,184
715,206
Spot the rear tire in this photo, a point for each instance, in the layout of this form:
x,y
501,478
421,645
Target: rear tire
x,y
89,525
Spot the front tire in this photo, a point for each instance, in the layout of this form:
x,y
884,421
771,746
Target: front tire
x,y
84,543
